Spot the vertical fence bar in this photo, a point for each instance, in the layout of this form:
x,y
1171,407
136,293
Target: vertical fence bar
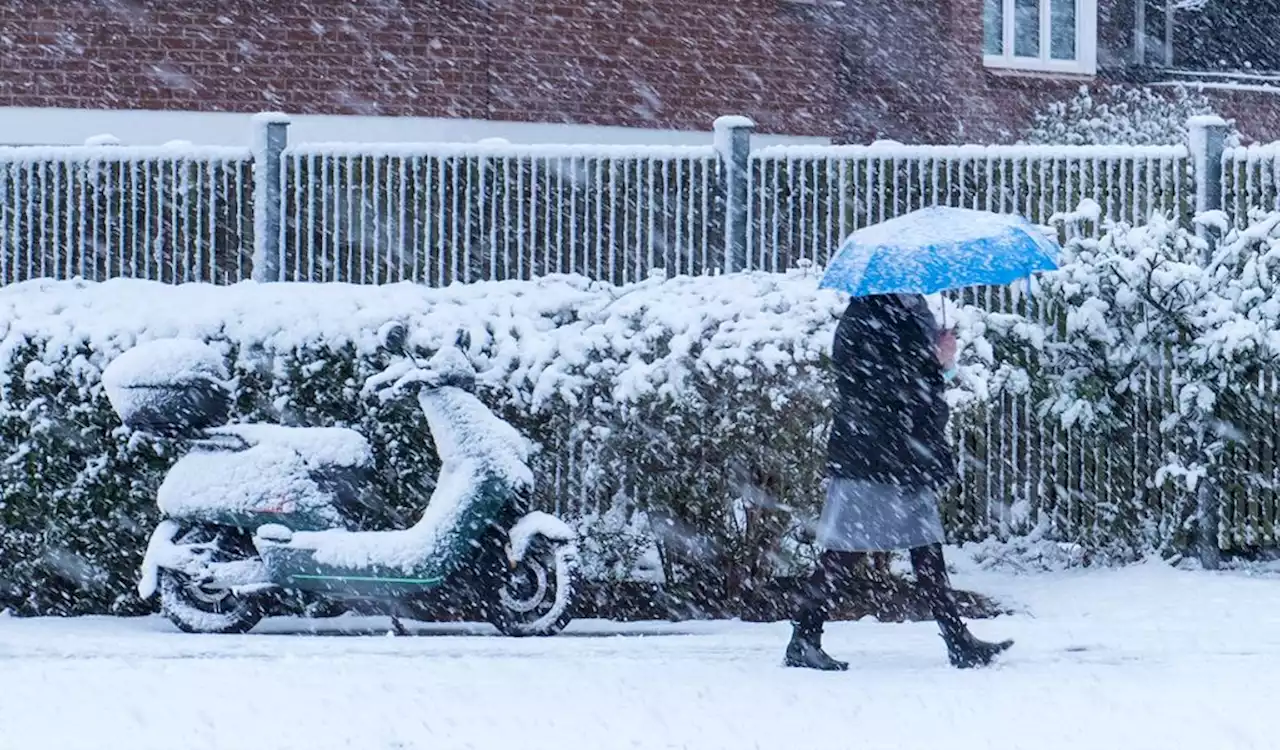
x,y
7,246
29,214
456,247
314,178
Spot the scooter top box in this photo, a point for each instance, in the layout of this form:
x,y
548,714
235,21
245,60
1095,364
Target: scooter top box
x,y
171,387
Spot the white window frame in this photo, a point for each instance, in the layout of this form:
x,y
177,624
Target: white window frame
x,y
1086,62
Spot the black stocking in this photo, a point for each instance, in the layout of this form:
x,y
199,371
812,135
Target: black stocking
x,y
832,583
935,584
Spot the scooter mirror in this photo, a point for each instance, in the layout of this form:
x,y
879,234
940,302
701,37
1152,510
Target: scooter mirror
x,y
393,337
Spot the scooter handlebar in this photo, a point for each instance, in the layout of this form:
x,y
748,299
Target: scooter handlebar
x,y
405,376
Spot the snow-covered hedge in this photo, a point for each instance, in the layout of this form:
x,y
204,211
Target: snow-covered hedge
x,y
681,423
1121,115
672,414
1153,365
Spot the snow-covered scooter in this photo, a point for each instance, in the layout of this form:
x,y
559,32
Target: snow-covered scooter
x,y
255,511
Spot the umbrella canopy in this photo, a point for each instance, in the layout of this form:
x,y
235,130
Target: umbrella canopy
x,y
939,248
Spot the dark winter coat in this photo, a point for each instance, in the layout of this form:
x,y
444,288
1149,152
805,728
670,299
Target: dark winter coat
x,y
890,413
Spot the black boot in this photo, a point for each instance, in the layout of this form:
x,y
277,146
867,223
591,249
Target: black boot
x,y
966,652
963,650
805,648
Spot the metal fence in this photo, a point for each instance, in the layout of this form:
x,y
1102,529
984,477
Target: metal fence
x,y
1250,180
440,214
171,214
805,199
444,213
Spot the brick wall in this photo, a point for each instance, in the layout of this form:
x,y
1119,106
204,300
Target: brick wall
x,y
914,72
909,70
646,63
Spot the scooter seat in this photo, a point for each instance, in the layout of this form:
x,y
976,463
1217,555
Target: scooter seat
x,y
319,446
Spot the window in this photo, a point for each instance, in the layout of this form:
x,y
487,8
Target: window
x,y
1153,24
1054,36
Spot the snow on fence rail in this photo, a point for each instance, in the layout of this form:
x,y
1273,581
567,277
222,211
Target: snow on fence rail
x,y
440,213
171,213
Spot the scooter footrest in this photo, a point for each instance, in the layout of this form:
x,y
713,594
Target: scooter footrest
x,y
274,533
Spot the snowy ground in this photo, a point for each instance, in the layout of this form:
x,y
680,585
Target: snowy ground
x,y
1145,657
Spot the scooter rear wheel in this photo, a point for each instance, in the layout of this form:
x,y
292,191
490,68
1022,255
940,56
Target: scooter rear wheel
x,y
536,597
200,609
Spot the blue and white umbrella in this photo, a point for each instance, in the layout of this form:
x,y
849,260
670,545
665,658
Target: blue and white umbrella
x,y
939,248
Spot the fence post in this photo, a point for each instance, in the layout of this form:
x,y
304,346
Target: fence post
x,y
733,144
270,137
1208,139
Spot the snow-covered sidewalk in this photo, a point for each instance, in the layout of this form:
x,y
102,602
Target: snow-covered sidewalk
x,y
1139,658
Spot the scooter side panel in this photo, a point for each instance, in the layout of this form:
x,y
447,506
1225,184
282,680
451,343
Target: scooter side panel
x,y
297,569
436,553
249,520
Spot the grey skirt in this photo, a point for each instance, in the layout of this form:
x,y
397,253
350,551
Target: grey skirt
x,y
861,516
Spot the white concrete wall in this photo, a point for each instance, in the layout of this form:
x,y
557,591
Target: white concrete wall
x,y
50,126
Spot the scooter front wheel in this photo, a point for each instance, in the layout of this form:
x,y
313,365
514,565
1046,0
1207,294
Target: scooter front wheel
x,y
536,596
196,608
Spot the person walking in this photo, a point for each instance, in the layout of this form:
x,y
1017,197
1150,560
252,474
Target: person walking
x,y
888,460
